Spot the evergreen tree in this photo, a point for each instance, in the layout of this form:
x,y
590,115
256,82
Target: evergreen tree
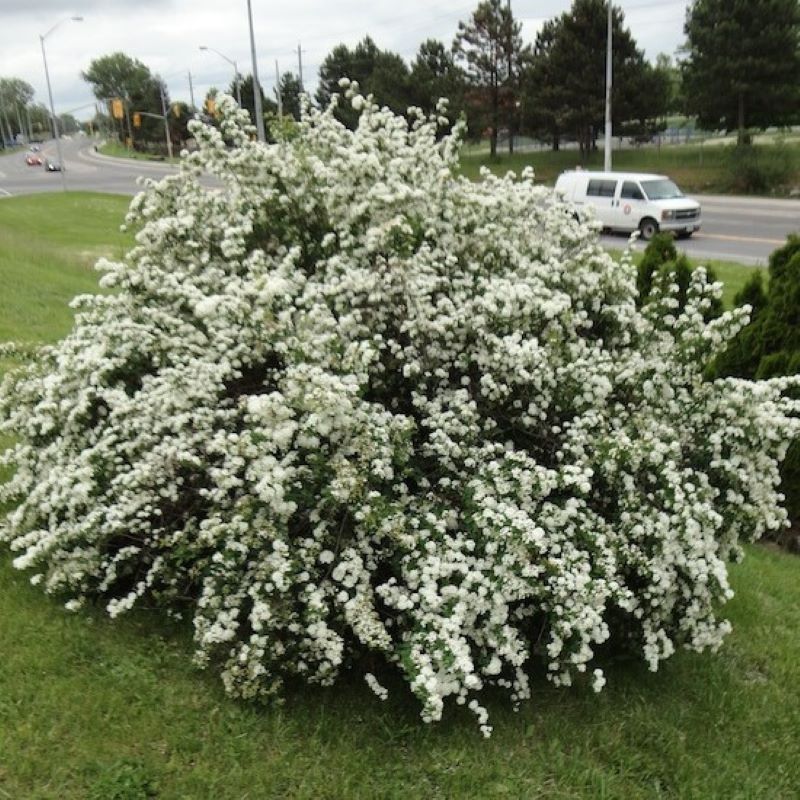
x,y
249,99
434,74
290,89
743,66
565,86
491,48
380,73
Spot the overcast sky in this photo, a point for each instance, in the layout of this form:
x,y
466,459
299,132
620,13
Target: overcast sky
x,y
166,34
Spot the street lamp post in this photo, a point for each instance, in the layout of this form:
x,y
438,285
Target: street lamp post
x,y
609,79
50,95
262,134
237,77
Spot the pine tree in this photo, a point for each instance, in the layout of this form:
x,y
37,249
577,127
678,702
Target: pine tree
x,y
743,68
564,88
490,45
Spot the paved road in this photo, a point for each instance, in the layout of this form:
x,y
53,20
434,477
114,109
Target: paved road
x,y
86,171
742,229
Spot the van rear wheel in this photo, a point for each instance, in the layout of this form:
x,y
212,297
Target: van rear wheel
x,y
648,227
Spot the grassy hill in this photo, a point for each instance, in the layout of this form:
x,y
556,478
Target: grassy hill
x,y
97,710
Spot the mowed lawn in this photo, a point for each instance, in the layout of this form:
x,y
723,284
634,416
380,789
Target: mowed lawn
x,y
695,168
97,710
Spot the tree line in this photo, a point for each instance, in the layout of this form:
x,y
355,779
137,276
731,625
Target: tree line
x,y
21,119
739,69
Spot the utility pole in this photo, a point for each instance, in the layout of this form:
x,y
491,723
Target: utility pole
x,y
262,134
19,123
300,65
607,147
278,89
166,118
510,81
191,90
238,79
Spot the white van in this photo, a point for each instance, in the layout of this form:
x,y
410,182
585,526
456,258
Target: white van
x,y
627,201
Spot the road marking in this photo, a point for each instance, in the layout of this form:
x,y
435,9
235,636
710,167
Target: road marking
x,y
754,239
5,193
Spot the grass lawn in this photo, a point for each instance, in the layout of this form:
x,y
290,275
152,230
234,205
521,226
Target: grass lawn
x,y
694,168
97,710
48,246
118,150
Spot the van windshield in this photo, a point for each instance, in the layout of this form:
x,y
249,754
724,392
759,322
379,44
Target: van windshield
x,y
661,190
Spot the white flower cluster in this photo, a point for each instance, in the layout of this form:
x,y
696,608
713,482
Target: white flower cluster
x,y
346,405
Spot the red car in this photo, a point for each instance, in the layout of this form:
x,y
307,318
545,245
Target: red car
x,y
32,160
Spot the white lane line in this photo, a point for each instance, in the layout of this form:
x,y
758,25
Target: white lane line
x,y
5,193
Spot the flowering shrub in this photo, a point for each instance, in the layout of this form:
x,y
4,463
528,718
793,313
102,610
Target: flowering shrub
x,y
346,401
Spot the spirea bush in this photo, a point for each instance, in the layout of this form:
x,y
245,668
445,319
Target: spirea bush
x,y
343,406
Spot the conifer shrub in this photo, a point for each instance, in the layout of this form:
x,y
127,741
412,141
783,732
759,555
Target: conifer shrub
x,y
341,402
662,266
770,345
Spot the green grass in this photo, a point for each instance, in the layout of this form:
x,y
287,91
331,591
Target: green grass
x,y
87,706
111,148
733,277
692,167
48,246
97,710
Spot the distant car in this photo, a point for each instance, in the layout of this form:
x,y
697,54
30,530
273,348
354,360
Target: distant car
x,y
34,148
52,166
32,160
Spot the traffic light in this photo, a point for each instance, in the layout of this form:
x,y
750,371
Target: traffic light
x,y
176,109
211,105
117,111
137,120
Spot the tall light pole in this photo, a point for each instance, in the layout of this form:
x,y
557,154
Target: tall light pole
x,y
166,117
236,76
607,147
42,37
262,134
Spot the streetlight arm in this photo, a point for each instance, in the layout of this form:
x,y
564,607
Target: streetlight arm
x,y
221,55
236,76
60,22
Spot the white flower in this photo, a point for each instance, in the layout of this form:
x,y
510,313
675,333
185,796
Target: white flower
x,y
355,403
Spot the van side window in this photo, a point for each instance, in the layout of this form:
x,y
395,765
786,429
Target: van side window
x,y
631,191
600,188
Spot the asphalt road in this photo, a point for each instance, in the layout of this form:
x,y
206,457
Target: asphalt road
x,y
86,171
741,229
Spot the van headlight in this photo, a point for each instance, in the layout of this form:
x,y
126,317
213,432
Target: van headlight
x,y
668,214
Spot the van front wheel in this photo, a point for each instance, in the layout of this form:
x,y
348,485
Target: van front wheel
x,y
648,228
